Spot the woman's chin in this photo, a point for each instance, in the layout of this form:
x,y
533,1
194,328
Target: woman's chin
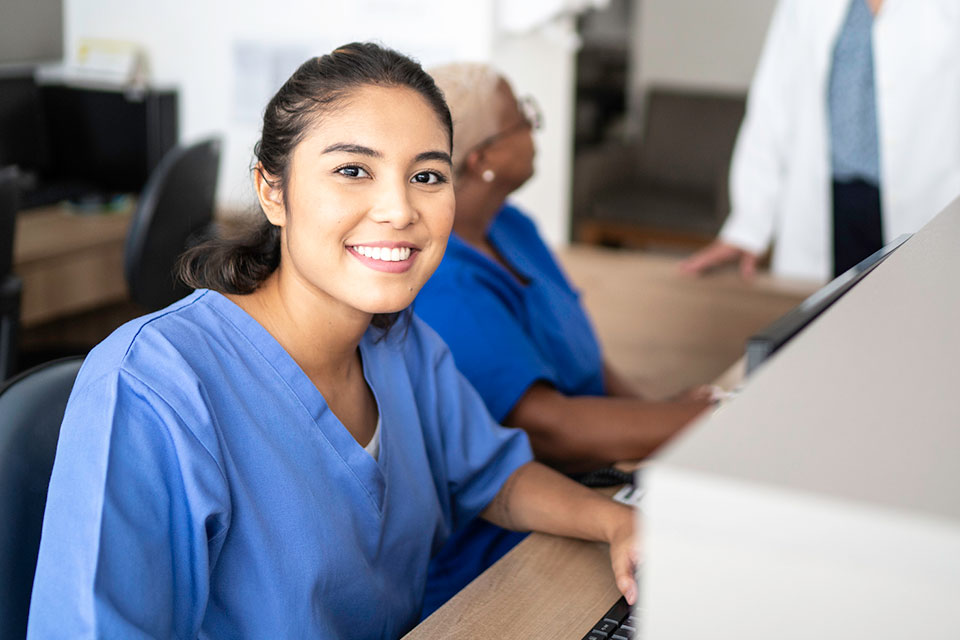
x,y
388,306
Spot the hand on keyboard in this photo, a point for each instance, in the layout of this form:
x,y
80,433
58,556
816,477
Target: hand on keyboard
x,y
616,624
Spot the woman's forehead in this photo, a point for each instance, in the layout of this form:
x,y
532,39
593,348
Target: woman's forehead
x,y
380,116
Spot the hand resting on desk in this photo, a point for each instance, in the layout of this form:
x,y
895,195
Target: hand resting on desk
x,y
536,497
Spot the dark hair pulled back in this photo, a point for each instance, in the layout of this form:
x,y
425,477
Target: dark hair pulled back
x,y
238,263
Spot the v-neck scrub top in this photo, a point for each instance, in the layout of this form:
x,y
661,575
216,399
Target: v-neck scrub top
x,y
203,488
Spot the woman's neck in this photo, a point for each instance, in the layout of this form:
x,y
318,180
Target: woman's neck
x,y
321,334
477,207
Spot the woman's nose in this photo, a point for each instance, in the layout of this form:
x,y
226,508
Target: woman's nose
x,y
394,207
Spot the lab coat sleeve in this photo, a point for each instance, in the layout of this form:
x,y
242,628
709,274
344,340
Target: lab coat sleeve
x,y
759,165
136,509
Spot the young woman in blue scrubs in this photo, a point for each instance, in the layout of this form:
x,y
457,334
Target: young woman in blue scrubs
x,y
514,323
278,454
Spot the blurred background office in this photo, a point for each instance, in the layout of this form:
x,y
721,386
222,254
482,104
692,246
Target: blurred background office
x,y
642,100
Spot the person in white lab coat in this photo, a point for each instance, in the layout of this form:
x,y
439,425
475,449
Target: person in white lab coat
x,y
851,136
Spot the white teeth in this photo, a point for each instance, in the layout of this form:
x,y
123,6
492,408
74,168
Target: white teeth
x,y
386,254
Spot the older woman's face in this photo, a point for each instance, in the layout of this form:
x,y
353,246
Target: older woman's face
x,y
369,203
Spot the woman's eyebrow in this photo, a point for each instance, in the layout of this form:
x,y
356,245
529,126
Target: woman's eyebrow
x,y
442,156
344,147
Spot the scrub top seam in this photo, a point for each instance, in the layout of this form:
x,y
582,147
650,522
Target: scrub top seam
x,y
155,318
193,435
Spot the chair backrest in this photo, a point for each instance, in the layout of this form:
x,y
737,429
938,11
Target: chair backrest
x,y
10,285
8,218
688,137
31,410
175,208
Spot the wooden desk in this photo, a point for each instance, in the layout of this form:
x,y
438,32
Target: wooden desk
x,y
665,332
68,262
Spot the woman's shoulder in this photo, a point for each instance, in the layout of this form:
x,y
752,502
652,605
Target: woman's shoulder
x,y
513,217
148,348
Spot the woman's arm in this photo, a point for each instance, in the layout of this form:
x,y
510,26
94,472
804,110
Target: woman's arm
x,y
616,385
577,433
537,498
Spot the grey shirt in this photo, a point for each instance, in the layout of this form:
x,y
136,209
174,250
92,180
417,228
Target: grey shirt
x,y
854,145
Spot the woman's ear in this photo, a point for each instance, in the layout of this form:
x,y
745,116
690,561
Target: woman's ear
x,y
474,163
270,196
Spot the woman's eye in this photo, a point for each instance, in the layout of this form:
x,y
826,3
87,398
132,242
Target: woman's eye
x,y
428,177
353,172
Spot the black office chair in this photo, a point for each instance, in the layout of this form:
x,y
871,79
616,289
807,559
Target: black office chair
x,y
31,409
174,212
10,285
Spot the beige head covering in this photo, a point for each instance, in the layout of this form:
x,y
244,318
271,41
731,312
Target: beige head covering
x,y
470,89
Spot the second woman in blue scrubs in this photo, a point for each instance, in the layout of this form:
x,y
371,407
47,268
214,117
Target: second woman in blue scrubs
x,y
514,323
267,457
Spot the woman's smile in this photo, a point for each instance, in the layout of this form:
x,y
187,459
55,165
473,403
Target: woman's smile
x,y
390,257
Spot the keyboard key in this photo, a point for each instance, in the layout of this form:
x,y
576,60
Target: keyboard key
x,y
609,627
606,627
618,611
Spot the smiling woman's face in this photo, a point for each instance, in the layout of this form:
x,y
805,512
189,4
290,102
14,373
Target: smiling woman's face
x,y
369,201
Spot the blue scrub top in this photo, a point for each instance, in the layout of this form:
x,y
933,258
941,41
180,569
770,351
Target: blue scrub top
x,y
505,335
202,487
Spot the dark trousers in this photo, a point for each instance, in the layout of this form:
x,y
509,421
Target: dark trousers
x,y
857,224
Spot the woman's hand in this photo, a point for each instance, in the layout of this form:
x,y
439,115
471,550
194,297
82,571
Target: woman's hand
x,y
718,254
625,553
537,498
709,393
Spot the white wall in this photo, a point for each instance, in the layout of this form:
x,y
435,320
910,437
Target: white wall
x,y
542,64
228,57
707,44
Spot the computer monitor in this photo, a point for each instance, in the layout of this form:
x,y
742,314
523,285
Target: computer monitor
x,y
23,141
82,143
110,139
765,343
822,501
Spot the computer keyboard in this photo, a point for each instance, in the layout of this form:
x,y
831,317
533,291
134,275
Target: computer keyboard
x,y
616,624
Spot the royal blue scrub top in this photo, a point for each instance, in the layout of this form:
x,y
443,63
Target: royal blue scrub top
x,y
202,487
505,335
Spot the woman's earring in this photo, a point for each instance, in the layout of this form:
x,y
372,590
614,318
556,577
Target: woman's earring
x,y
488,175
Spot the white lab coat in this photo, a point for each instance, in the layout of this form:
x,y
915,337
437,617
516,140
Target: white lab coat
x,y
780,178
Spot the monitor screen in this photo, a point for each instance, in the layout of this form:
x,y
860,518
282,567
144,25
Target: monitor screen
x,y
84,143
765,343
22,133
